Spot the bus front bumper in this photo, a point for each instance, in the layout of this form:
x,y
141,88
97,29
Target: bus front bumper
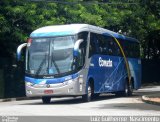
x,y
68,88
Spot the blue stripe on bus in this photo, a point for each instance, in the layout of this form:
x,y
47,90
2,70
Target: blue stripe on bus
x,y
52,80
51,34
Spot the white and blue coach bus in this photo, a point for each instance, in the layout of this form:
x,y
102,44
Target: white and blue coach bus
x,y
80,60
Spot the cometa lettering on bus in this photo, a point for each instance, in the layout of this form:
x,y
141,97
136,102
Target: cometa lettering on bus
x,y
105,63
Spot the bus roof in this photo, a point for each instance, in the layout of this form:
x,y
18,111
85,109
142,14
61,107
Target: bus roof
x,y
71,29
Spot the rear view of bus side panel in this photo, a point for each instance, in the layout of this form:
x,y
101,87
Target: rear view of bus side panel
x,y
135,68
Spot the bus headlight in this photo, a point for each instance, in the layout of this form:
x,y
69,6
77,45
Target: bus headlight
x,y
67,82
29,84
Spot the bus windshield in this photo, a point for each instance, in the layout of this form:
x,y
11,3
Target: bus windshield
x,y
50,56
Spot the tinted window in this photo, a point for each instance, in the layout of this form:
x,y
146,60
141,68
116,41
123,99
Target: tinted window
x,y
108,46
93,48
131,49
82,48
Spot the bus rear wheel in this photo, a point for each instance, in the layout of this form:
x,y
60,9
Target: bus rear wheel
x,y
128,89
46,100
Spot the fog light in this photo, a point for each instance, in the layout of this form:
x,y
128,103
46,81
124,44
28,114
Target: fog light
x,y
70,90
67,82
29,92
29,84
70,81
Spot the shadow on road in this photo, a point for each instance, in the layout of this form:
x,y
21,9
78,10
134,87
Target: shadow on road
x,y
128,106
76,100
123,105
145,92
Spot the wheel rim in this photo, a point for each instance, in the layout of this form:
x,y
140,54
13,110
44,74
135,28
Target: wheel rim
x,y
89,93
130,89
126,89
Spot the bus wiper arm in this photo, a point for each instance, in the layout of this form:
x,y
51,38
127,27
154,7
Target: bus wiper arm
x,y
40,66
55,64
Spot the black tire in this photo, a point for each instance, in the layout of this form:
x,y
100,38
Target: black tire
x,y
96,95
119,94
128,89
88,97
46,100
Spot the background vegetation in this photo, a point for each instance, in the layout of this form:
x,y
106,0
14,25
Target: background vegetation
x,y
18,18
136,18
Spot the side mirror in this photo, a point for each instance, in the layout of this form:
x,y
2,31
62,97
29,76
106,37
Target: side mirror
x,y
76,47
19,49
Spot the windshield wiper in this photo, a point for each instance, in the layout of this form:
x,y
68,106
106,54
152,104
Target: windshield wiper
x,y
41,65
52,60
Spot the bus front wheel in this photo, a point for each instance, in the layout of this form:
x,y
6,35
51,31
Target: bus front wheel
x,y
87,97
46,100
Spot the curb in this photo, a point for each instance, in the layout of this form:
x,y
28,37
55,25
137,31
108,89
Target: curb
x,y
18,99
147,100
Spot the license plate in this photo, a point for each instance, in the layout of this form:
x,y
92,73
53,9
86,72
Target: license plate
x,y
48,91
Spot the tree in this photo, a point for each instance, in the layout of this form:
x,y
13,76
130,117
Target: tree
x,y
18,18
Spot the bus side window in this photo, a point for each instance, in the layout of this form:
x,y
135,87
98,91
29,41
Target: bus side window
x,y
92,46
81,56
102,43
82,48
137,48
117,49
131,49
113,47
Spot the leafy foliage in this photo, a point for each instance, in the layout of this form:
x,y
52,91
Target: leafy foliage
x,y
18,18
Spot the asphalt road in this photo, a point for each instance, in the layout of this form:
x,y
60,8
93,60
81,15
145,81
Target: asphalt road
x,y
105,105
